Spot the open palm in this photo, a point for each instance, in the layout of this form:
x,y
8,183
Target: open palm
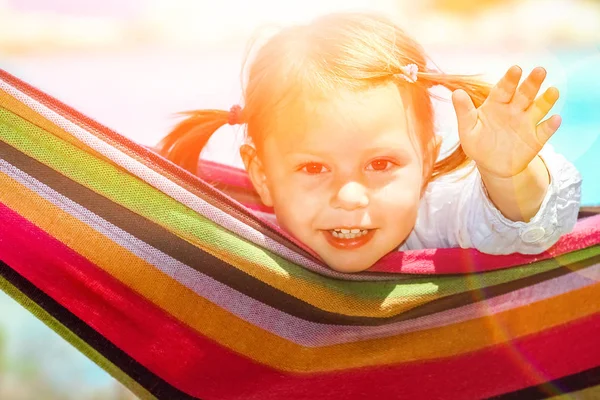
x,y
504,134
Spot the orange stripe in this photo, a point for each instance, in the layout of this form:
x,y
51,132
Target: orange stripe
x,y
262,265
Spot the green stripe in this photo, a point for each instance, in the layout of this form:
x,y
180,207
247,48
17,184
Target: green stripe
x,y
133,193
74,340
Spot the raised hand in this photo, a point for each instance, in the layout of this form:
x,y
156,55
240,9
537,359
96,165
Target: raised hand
x,y
504,134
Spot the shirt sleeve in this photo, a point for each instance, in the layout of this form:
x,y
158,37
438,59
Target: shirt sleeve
x,y
456,212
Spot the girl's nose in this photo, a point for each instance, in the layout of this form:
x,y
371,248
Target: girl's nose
x,y
350,196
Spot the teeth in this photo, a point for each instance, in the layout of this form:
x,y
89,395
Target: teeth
x,y
348,233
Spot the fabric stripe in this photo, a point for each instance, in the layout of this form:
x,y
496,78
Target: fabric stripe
x,y
65,324
270,318
210,367
166,186
161,260
288,269
526,313
389,263
520,336
112,309
159,237
202,284
139,379
440,342
209,236
146,156
103,249
140,226
19,109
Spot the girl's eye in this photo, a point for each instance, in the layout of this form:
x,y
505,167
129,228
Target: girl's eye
x,y
379,165
313,168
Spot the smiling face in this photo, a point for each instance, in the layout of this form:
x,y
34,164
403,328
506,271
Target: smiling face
x,y
347,182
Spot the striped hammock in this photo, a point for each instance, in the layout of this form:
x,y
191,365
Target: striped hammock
x,y
182,288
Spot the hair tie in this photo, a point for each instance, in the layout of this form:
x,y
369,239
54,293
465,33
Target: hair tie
x,y
409,73
235,115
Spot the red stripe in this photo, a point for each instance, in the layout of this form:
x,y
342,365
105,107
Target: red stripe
x,y
459,261
201,367
212,171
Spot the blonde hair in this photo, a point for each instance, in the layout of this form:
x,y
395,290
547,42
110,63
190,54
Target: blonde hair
x,y
351,51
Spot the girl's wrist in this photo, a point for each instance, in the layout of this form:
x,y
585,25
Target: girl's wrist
x,y
518,197
535,165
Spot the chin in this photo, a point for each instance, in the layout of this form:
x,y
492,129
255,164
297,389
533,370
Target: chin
x,y
350,265
357,261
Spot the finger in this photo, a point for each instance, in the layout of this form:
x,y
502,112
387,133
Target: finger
x,y
504,90
466,113
546,129
526,93
543,104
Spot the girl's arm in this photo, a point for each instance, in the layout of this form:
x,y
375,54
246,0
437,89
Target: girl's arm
x,y
518,198
458,210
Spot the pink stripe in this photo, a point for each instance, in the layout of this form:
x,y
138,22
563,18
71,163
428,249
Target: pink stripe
x,y
431,261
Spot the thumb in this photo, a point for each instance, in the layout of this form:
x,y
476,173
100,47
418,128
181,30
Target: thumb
x,y
466,113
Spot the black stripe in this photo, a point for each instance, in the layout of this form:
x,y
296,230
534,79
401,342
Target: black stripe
x,y
188,254
568,384
148,380
172,245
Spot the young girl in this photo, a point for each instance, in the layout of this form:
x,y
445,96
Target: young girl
x,y
342,146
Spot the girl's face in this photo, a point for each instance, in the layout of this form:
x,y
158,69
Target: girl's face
x,y
347,183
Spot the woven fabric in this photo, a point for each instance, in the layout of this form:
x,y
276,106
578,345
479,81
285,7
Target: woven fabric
x,y
181,291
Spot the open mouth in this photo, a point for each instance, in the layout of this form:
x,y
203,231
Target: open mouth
x,y
348,233
348,238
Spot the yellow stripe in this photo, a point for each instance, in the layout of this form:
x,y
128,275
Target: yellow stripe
x,y
264,347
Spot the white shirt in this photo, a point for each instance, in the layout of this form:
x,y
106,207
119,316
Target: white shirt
x,y
458,213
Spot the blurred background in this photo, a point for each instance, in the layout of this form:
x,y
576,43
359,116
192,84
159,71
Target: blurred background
x,y
132,64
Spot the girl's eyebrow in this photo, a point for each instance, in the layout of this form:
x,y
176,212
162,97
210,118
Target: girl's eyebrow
x,y
302,154
396,151
401,153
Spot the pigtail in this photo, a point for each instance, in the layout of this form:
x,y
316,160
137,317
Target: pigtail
x,y
478,91
185,142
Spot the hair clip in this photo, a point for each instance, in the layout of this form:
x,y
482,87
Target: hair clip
x,y
409,72
235,115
